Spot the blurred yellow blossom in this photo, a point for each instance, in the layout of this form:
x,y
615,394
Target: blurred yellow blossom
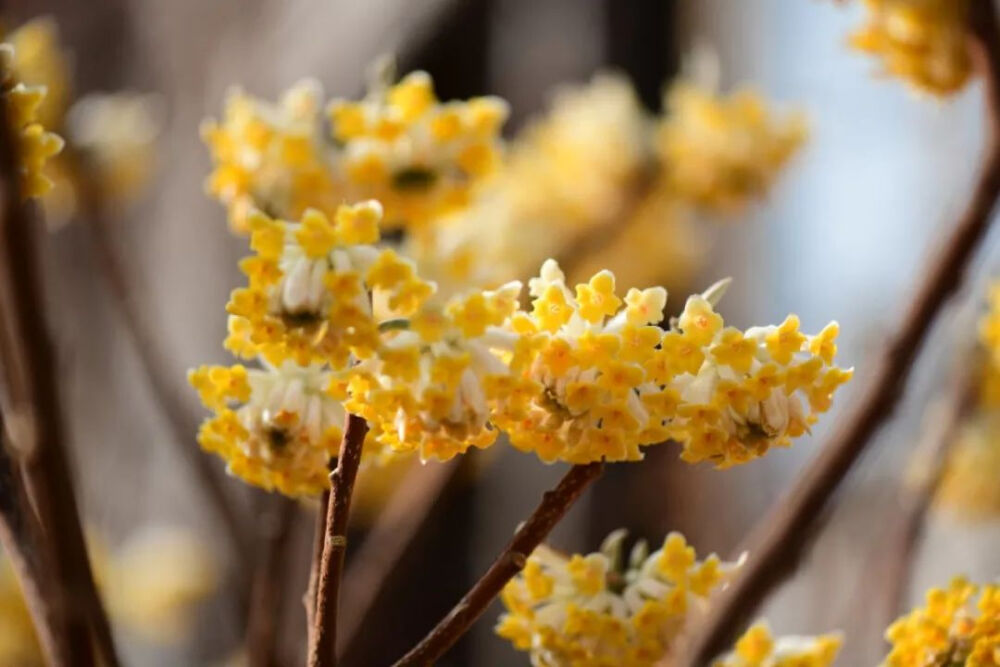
x,y
597,609
35,144
759,648
41,62
721,152
276,428
155,580
18,643
921,41
421,158
952,629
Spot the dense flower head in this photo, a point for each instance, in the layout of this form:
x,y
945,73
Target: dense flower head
x,y
921,41
276,428
597,610
420,157
721,152
608,380
309,296
954,628
35,144
270,156
759,648
432,387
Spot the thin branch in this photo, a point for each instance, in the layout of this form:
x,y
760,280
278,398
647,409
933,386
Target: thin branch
x,y
555,503
322,652
154,363
395,529
268,580
780,539
319,539
34,415
22,540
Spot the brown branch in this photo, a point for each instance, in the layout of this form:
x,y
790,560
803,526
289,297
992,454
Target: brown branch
x,y
395,529
319,539
267,588
22,540
154,363
34,415
555,503
779,540
322,652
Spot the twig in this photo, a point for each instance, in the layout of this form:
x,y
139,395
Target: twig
x,y
268,580
781,537
322,652
394,530
34,415
319,539
22,540
153,362
915,497
555,503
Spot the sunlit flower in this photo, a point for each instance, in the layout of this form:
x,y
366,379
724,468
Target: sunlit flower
x,y
421,158
952,629
608,380
41,62
276,428
432,388
721,152
310,285
35,144
759,648
921,41
596,609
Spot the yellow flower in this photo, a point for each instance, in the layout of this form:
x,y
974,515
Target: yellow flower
x,y
35,144
308,292
720,152
597,298
949,629
759,648
923,42
276,428
598,609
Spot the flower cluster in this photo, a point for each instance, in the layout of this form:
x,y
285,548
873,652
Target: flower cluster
x,y
310,286
597,166
419,157
719,153
759,648
921,41
950,629
277,428
35,144
595,609
608,380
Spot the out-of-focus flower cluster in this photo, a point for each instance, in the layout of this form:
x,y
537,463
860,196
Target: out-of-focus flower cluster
x,y
114,132
953,628
338,318
602,182
759,648
924,42
598,609
421,158
35,144
151,585
969,482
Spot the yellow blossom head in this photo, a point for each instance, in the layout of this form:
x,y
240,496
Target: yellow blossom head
x,y
759,648
599,609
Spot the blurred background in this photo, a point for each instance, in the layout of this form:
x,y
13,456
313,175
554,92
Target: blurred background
x,y
843,236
